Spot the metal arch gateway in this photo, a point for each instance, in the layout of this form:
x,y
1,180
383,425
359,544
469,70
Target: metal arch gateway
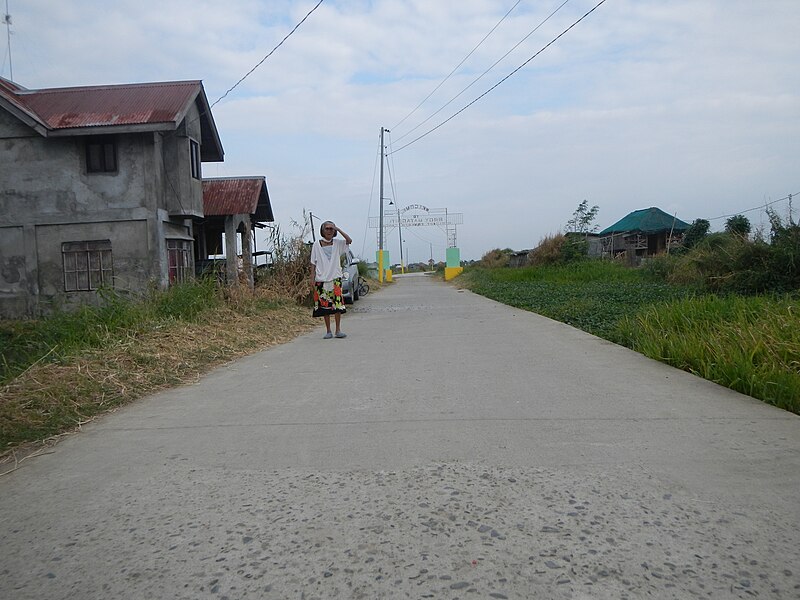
x,y
419,215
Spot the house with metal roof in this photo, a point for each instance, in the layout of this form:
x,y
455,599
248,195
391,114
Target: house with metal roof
x,y
233,207
100,187
640,234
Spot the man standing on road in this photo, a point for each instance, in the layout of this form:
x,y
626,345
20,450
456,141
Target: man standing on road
x,y
326,276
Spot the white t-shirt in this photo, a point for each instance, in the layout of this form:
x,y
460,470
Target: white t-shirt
x,y
327,264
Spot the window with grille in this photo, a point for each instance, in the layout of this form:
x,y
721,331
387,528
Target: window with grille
x,y
179,260
194,151
101,155
87,265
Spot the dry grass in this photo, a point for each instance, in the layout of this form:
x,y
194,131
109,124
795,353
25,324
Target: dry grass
x,y
548,252
50,399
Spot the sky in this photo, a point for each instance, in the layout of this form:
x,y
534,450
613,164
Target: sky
x,y
690,106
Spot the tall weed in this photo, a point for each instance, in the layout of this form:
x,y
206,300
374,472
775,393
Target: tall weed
x,y
289,275
750,344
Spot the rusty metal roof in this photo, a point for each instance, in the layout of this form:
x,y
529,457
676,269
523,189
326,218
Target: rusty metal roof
x,y
237,196
79,110
94,106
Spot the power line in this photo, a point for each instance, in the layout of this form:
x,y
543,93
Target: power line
x,y
246,75
441,83
761,207
553,41
479,77
369,208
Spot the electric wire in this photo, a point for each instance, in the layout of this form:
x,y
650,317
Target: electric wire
x,y
371,192
477,79
390,166
396,205
270,53
760,207
550,43
442,82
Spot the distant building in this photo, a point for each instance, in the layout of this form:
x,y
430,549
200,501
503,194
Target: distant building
x,y
519,258
640,234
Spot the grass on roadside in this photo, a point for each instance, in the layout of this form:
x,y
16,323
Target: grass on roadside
x,y
61,372
749,344
26,342
592,296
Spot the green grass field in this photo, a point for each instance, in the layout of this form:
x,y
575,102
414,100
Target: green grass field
x,y
750,344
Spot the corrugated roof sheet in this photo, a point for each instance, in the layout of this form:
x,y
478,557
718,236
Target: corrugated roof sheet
x,y
95,106
647,220
138,104
237,196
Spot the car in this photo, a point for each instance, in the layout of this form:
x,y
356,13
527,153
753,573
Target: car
x,y
349,277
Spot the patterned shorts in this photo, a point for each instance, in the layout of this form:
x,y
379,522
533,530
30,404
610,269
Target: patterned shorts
x,y
327,302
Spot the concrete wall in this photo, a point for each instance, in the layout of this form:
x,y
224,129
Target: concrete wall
x,y
182,193
47,198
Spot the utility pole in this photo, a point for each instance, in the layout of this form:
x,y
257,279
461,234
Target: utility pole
x,y
400,235
7,21
380,223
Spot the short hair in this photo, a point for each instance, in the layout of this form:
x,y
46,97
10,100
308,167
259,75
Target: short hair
x,y
322,228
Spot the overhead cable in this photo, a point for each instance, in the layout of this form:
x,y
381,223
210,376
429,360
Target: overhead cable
x,y
441,83
553,41
479,77
271,52
371,191
761,207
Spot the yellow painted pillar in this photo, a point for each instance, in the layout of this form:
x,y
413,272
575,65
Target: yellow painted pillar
x,y
453,268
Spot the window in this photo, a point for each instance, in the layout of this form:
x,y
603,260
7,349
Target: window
x,y
101,155
194,151
178,257
87,265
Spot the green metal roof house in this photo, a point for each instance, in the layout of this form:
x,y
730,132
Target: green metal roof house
x,y
642,233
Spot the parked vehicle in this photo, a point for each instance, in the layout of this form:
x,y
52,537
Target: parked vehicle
x,y
350,291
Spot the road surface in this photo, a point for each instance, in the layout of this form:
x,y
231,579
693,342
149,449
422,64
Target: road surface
x,y
449,447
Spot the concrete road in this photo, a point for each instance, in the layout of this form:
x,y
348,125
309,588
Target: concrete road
x,y
450,447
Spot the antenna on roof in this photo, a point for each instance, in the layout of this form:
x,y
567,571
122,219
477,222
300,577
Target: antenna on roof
x,y
7,21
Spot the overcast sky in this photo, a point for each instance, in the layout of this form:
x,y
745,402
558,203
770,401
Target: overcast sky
x,y
692,106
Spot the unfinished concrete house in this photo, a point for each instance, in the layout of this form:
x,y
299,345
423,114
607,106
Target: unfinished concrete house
x,y
234,207
640,234
99,188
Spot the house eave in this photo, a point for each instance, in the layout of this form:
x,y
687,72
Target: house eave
x,y
23,115
111,129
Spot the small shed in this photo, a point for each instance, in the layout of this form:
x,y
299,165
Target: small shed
x,y
232,206
519,258
642,233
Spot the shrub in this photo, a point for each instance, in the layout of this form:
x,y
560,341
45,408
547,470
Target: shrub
x,y
661,267
738,225
497,258
548,252
696,232
290,273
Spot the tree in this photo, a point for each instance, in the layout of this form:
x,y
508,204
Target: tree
x,y
583,218
738,225
696,232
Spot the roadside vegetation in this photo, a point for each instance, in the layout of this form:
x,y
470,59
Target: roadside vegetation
x,y
57,373
725,306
